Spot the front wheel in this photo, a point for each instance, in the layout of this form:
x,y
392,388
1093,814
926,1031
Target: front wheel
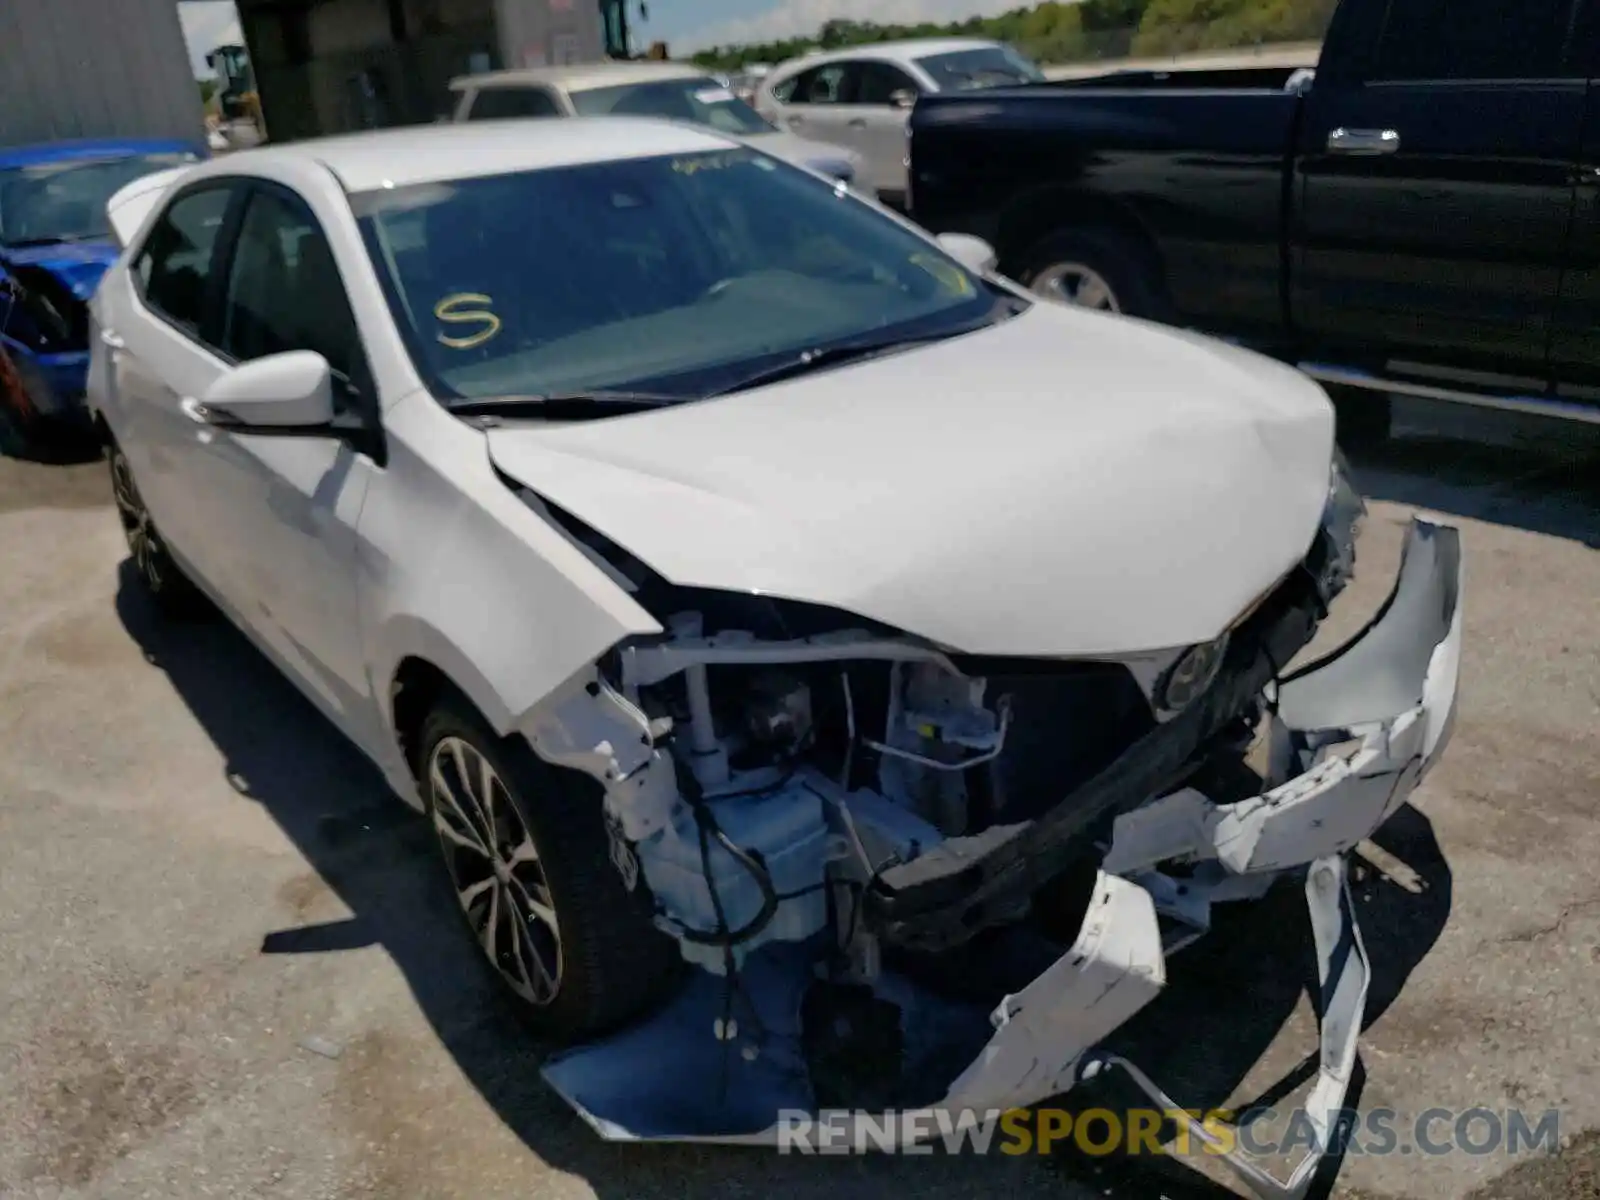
x,y
530,860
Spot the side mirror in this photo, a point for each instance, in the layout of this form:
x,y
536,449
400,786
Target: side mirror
x,y
971,252
902,98
288,393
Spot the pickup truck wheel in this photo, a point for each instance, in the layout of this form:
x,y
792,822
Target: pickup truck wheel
x,y
1098,268
530,861
1363,418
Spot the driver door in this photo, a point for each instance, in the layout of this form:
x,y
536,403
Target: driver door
x,y
291,504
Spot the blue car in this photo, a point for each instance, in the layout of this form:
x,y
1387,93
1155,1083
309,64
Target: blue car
x,y
55,243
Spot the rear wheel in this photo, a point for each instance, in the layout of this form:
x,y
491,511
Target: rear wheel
x,y
1098,269
531,863
173,592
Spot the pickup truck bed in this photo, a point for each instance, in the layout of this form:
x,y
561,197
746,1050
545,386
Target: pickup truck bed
x,y
1420,214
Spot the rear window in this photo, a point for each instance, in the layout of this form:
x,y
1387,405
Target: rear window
x,y
701,101
499,104
986,66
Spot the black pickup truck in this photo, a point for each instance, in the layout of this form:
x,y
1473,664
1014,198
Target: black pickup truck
x,y
1418,215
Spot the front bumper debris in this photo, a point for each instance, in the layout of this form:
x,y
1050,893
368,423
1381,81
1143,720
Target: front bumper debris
x,y
1351,737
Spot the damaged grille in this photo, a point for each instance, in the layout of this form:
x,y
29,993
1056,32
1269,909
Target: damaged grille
x,y
940,899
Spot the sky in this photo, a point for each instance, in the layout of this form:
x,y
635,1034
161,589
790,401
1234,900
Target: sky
x,y
685,25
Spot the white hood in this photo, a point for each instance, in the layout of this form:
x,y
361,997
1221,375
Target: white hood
x,y
1062,484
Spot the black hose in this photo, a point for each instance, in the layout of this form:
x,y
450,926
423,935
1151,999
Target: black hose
x,y
722,935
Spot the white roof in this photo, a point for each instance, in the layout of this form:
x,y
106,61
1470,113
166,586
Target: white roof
x,y
906,51
439,153
581,77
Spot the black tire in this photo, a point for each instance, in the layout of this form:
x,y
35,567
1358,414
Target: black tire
x,y
1126,266
1363,418
611,962
173,593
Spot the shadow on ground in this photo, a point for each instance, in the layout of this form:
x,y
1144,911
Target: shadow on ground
x,y
1535,474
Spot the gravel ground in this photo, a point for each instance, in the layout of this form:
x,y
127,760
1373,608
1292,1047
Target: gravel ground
x,y
198,880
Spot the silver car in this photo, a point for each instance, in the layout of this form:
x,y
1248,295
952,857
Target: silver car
x,y
646,89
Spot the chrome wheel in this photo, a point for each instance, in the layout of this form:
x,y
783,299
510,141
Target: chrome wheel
x,y
494,866
1076,284
143,543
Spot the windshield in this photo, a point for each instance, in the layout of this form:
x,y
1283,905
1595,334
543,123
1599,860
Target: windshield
x,y
988,66
701,101
679,274
66,201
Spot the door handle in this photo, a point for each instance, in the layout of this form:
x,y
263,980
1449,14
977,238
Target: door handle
x,y
1363,143
112,341
796,120
858,122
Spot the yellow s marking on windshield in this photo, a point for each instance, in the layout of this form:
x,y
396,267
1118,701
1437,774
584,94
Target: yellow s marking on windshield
x,y
464,308
948,274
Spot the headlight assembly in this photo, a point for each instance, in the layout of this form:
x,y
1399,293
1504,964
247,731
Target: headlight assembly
x,y
1195,671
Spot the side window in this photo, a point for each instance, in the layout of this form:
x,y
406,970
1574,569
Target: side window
x,y
501,103
787,91
877,81
284,291
819,85
1500,39
174,264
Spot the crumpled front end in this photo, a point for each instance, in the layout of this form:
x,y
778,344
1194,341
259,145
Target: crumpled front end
x,y
843,827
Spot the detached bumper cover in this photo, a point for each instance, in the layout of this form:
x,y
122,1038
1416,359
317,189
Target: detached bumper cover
x,y
1352,736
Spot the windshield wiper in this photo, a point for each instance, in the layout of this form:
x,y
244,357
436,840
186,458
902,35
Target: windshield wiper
x,y
831,356
557,405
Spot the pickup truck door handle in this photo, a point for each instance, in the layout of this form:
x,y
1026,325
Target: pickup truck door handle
x,y
113,341
1365,143
858,122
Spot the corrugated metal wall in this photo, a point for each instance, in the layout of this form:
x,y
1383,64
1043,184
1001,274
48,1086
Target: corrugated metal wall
x,y
95,68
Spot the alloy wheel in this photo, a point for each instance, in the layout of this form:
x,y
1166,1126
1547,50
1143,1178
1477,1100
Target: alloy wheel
x,y
143,542
495,869
1078,285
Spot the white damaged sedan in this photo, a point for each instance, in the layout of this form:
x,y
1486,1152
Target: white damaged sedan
x,y
808,649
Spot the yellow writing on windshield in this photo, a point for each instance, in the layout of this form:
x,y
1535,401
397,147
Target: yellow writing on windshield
x,y
947,273
693,163
467,308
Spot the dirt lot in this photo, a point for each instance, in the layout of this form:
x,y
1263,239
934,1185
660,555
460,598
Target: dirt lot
x,y
196,876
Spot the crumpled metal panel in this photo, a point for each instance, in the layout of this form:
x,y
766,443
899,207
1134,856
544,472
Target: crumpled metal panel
x,y
1352,736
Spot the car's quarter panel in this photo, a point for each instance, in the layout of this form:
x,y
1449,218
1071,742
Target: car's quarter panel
x,y
456,569
1017,164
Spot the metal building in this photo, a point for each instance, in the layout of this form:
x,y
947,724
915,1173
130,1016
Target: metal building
x,y
335,65
95,68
